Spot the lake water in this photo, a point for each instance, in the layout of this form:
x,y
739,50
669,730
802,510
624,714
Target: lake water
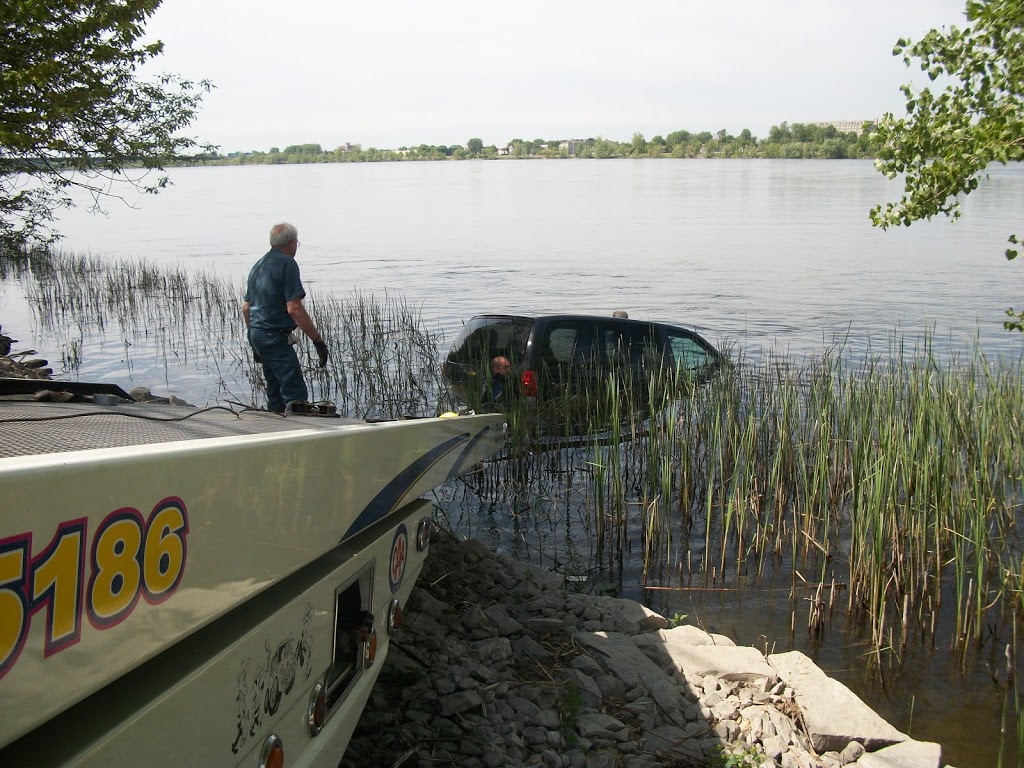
x,y
762,253
754,254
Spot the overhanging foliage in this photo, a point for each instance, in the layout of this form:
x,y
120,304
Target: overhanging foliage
x,y
949,137
74,114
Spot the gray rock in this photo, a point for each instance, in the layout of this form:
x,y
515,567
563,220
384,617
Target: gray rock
x,y
476,548
687,633
852,752
774,746
669,699
668,740
493,756
474,618
545,626
726,710
551,759
444,686
611,687
504,624
542,577
601,759
725,662
781,725
597,725
527,646
833,714
630,616
422,602
642,761
535,735
587,665
620,657
456,703
522,706
548,718
908,754
585,685
791,759
492,649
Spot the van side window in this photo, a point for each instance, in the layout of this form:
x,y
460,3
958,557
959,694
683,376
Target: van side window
x,y
570,343
687,351
633,347
560,344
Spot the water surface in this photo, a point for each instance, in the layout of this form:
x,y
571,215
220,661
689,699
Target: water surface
x,y
754,254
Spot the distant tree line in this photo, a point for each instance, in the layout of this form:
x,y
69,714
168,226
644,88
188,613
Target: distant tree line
x,y
783,141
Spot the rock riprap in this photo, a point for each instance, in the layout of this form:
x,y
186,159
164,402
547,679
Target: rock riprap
x,y
18,365
497,664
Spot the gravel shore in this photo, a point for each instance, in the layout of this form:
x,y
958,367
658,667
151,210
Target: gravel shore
x,y
20,365
497,664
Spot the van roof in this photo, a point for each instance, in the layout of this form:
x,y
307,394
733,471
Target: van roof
x,y
569,316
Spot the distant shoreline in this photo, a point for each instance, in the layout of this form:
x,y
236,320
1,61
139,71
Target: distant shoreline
x,y
797,141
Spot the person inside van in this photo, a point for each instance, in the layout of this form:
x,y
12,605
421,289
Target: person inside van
x,y
621,314
502,382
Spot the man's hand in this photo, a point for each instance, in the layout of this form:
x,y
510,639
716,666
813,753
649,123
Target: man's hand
x,y
321,350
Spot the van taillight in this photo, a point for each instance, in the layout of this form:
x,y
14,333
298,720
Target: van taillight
x,y
529,383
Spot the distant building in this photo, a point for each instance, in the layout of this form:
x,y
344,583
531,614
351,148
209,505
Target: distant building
x,y
846,126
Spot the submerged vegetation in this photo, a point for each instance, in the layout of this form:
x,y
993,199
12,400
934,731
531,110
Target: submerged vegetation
x,y
883,490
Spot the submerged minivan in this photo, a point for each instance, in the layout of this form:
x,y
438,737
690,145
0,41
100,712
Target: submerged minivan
x,y
559,356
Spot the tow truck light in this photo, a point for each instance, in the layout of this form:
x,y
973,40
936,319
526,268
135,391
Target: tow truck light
x,y
369,647
317,709
272,753
529,383
394,616
423,534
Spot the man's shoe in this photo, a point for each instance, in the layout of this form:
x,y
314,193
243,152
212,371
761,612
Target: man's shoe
x,y
311,409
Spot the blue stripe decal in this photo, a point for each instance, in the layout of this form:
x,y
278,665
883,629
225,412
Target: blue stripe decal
x,y
457,466
385,502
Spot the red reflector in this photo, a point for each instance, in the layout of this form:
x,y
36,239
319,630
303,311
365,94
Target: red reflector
x,y
272,753
394,616
275,758
317,714
529,383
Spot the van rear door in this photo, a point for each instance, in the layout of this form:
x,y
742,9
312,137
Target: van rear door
x,y
467,367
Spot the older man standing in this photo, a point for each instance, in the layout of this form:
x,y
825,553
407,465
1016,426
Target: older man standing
x,y
272,309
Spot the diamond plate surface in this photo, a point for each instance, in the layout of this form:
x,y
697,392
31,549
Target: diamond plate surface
x,y
30,428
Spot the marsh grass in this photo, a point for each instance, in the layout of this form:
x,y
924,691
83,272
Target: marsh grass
x,y
383,361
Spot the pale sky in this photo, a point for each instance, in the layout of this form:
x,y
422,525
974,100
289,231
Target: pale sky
x,y
405,72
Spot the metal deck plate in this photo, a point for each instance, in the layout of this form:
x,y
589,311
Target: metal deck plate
x,y
30,428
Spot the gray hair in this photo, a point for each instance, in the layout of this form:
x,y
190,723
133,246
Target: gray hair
x,y
283,234
621,313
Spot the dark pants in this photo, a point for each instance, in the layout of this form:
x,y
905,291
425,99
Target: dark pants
x,y
281,368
